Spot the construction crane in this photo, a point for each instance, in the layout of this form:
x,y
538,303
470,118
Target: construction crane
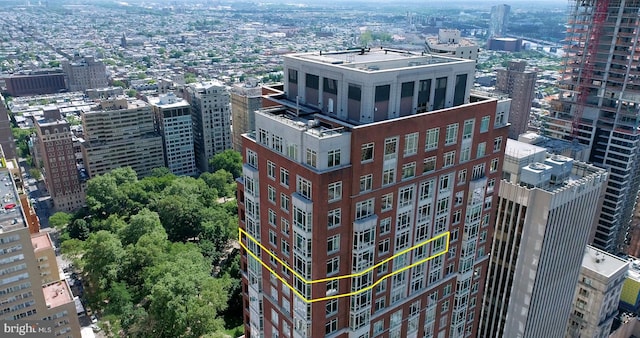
x,y
599,17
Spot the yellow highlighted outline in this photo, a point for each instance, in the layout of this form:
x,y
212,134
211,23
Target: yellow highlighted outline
x,y
264,249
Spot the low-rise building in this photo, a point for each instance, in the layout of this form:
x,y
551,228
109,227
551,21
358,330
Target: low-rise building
x,y
595,302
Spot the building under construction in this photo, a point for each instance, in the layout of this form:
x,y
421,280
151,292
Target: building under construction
x,y
599,105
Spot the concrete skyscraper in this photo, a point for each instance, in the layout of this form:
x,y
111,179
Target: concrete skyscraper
x,y
173,122
211,116
30,285
84,73
245,100
6,136
599,105
546,208
519,84
499,20
367,199
120,132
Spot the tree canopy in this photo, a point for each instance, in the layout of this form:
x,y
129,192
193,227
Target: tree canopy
x,y
156,251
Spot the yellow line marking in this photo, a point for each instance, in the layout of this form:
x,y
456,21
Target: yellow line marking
x,y
242,232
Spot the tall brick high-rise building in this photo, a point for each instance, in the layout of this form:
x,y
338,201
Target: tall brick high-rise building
x,y
367,198
519,83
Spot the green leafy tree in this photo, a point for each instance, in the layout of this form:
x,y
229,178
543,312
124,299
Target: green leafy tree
x,y
60,220
104,197
185,300
79,229
119,299
103,259
180,216
73,249
229,160
144,222
35,173
221,180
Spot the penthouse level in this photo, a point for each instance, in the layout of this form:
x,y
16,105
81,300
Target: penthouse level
x,y
373,85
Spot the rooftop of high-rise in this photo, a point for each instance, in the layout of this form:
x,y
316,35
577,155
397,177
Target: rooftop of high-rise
x,y
534,167
57,293
41,241
11,210
369,60
602,262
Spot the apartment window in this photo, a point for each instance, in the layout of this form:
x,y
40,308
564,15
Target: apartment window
x,y
385,226
426,189
332,287
459,198
331,326
334,218
284,246
332,307
383,247
304,187
364,209
456,217
440,93
409,170
451,136
366,182
284,226
271,170
271,194
386,202
478,171
494,165
390,148
335,191
449,159
333,244
334,158
378,327
445,182
284,202
462,176
484,124
293,76
500,119
460,89
491,185
272,217
411,144
367,152
429,165
333,265
284,177
497,144
263,136
424,92
467,130
272,238
405,196
481,149
292,151
380,304
277,143
312,157
252,158
433,135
